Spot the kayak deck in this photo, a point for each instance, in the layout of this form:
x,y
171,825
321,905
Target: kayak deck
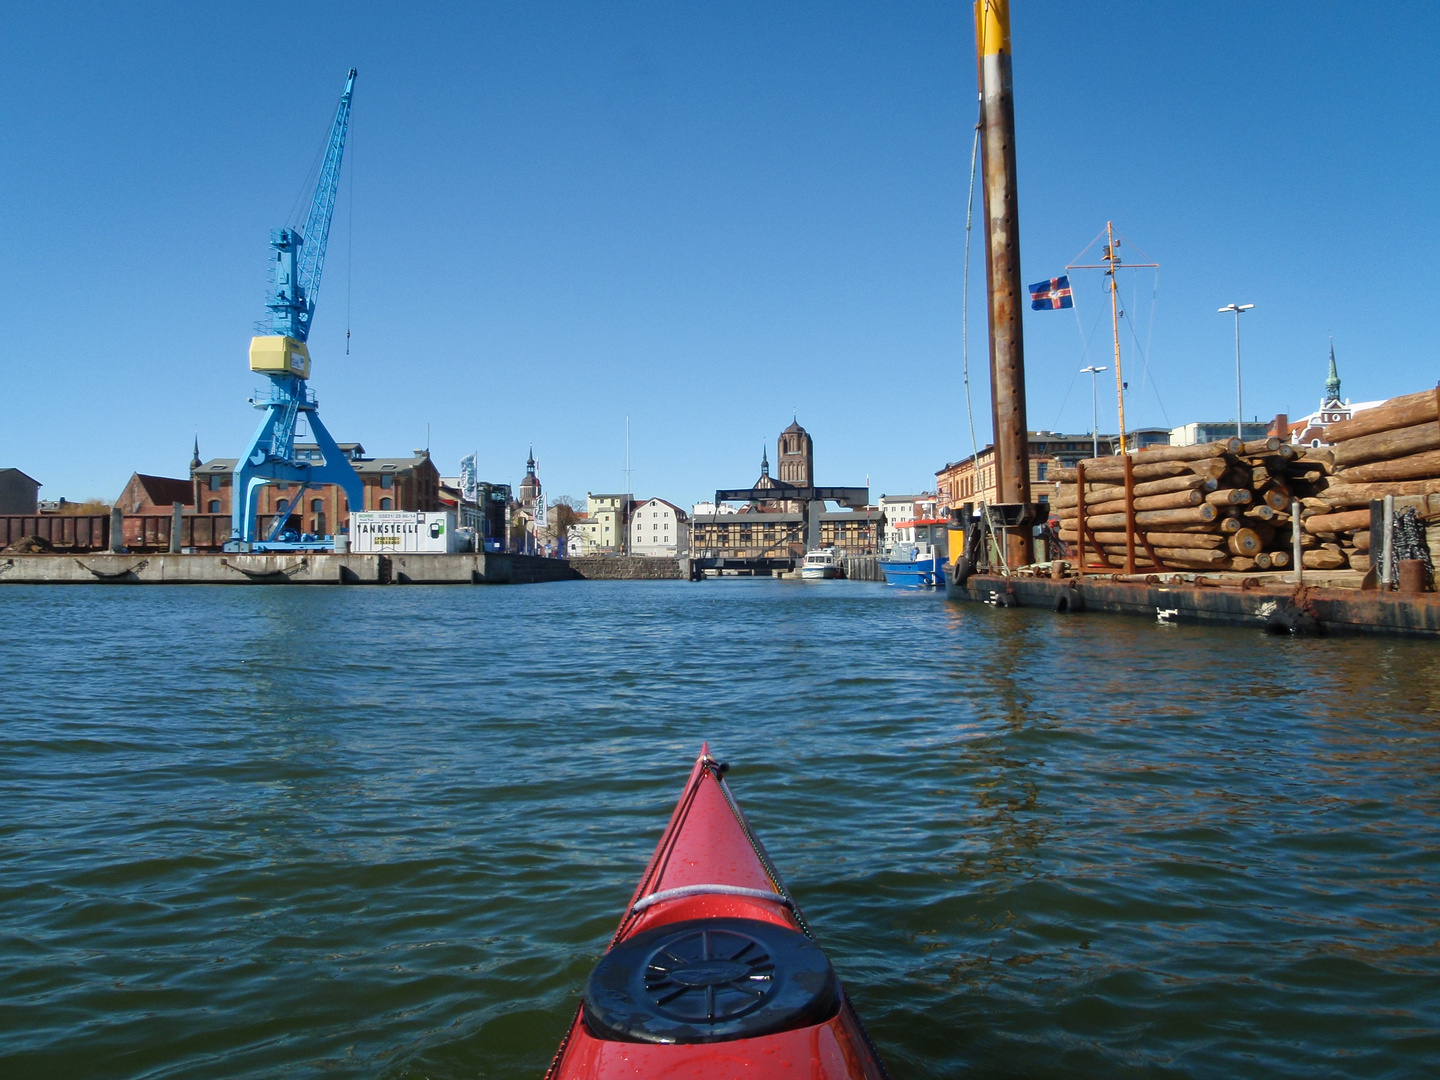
x,y
712,971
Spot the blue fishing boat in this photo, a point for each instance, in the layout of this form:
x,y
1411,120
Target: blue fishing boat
x,y
915,556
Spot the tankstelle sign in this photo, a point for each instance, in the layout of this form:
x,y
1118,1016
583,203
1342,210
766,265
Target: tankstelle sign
x,y
402,530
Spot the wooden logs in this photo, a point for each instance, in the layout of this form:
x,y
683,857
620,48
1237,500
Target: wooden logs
x,y
1163,539
1261,446
1178,453
1398,412
1169,501
1279,559
1340,492
1277,497
1229,497
1194,515
1230,525
1385,445
1361,540
1151,470
1097,493
1323,559
1361,562
1246,542
1346,521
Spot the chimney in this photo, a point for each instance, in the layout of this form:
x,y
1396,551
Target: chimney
x,y
1280,429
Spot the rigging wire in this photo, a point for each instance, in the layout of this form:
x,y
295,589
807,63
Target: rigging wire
x,y
988,526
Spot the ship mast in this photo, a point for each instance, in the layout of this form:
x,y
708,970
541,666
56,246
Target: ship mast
x,y
1113,258
1110,262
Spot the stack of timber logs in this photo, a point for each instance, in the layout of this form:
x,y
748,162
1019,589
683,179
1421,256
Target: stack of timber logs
x,y
1220,506
1391,449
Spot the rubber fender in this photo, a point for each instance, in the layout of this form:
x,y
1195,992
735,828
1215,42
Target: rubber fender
x,y
1009,599
962,570
710,980
1291,620
1069,602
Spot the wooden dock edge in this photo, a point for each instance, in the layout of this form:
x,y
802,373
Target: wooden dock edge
x,y
1274,607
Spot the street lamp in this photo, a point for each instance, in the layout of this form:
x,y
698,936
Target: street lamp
x,y
1094,409
1237,309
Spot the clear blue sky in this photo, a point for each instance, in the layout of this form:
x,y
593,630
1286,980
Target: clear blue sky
x,y
702,216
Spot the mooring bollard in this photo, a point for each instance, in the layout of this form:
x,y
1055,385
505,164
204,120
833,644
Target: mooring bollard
x,y
1412,576
177,512
1057,569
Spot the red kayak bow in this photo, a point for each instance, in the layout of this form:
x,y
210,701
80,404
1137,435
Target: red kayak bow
x,y
713,973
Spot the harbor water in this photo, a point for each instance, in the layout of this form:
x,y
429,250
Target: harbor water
x,y
331,832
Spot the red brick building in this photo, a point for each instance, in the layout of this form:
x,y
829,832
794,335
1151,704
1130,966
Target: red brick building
x,y
408,483
155,494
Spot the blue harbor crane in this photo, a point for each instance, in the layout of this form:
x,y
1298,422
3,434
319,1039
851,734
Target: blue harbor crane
x,y
280,353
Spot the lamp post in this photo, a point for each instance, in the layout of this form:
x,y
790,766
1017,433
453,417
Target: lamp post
x,y
1237,309
1094,409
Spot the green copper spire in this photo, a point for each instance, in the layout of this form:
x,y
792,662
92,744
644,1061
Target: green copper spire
x,y
1332,381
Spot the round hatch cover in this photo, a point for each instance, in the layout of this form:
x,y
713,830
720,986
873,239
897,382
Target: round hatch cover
x,y
709,980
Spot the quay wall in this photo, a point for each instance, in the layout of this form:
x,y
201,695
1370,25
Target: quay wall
x,y
631,568
862,567
301,568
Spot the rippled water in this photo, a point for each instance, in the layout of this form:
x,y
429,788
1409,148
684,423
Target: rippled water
x,y
386,832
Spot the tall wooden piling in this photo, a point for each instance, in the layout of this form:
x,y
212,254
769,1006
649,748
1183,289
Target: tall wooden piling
x,y
1002,266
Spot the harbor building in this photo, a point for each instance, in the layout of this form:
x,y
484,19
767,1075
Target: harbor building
x,y
606,523
155,494
390,483
759,534
659,528
19,493
1207,431
972,479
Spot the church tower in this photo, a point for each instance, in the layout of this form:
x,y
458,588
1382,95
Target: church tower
x,y
795,455
530,486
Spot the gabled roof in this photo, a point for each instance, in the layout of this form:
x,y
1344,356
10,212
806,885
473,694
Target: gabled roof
x,y
24,474
164,490
680,515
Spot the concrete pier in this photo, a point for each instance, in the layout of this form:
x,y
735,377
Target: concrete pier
x,y
290,569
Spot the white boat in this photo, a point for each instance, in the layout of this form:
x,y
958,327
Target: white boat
x,y
820,564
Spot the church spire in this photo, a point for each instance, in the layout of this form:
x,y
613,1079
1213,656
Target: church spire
x,y
1332,381
764,460
195,457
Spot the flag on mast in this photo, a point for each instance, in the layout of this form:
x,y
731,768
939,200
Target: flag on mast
x,y
1051,295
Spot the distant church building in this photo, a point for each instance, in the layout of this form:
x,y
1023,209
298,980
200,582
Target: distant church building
x,y
796,456
795,452
1310,430
530,486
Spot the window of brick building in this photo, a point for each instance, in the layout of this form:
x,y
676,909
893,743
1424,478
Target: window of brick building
x,y
387,481
214,506
387,504
214,482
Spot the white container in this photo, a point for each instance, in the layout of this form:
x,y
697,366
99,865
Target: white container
x,y
386,531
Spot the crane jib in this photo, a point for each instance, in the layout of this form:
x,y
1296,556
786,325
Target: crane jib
x,y
300,255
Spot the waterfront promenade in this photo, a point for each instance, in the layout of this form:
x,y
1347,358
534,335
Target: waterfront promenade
x,y
385,833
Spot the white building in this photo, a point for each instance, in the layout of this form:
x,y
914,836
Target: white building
x,y
896,509
602,531
659,528
709,509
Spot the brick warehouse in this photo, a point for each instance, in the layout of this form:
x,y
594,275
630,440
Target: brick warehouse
x,y
392,483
